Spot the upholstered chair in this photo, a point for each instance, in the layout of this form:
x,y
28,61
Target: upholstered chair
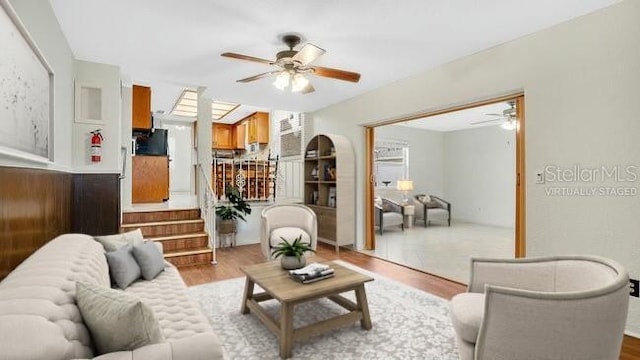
x,y
431,208
388,213
565,307
287,221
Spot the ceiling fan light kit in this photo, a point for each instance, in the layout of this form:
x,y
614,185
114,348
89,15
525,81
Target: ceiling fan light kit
x,y
508,118
292,64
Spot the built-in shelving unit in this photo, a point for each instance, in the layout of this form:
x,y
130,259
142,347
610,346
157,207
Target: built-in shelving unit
x,y
329,178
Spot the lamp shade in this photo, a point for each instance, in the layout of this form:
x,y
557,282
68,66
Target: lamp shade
x,y
404,185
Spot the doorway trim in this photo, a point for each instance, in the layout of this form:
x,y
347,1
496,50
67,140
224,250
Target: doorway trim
x,y
520,218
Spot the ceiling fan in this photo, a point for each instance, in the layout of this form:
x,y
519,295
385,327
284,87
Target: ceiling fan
x,y
508,117
292,64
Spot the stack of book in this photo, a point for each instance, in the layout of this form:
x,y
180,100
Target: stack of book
x,y
312,153
312,273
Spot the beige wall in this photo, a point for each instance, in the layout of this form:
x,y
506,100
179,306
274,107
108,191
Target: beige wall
x,y
582,82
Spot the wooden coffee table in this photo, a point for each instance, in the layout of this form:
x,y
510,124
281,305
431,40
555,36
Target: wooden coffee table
x,y
278,285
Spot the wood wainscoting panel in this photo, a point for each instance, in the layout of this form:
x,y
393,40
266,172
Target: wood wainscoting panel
x,y
35,207
96,204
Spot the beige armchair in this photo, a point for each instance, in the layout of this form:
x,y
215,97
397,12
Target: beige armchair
x,y
388,213
431,208
565,307
287,221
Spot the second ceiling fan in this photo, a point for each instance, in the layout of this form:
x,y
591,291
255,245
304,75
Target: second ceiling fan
x,y
293,64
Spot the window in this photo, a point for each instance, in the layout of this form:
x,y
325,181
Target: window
x,y
391,162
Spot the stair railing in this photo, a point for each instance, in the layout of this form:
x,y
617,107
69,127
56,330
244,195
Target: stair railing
x,y
207,202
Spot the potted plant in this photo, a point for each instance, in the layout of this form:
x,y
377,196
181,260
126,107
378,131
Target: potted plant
x,y
229,213
292,253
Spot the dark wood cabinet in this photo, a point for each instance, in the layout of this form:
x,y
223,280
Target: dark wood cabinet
x,y
141,107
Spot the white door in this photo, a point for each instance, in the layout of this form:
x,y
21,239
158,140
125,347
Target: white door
x,y
180,144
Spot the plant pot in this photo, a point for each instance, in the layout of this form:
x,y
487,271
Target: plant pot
x,y
226,227
292,262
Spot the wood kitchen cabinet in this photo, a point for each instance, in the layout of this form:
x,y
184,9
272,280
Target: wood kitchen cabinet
x,y
222,135
239,134
141,107
258,128
150,179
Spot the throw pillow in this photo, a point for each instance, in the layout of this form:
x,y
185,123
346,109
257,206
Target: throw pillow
x,y
150,259
114,242
116,320
424,198
123,267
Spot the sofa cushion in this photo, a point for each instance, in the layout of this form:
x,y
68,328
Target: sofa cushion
x,y
114,242
150,259
123,267
467,310
179,315
117,321
290,234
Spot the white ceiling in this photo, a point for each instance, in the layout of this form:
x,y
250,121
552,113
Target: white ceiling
x,y
171,45
462,119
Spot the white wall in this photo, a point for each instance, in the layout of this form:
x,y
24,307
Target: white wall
x,y
40,21
204,134
125,140
426,151
181,169
479,172
581,81
107,78
290,183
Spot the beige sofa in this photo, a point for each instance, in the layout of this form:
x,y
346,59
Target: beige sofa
x,y
39,318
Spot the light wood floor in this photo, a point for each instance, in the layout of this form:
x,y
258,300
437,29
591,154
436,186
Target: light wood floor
x,y
231,259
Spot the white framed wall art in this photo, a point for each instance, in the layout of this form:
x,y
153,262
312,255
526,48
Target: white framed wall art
x,y
26,92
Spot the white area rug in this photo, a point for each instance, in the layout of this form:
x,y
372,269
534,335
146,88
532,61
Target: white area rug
x,y
407,324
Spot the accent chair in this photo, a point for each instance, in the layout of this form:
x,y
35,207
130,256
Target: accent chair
x,y
388,213
287,221
430,208
564,307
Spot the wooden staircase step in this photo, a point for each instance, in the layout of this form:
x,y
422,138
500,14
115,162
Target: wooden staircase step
x,y
166,228
134,217
175,237
190,257
182,241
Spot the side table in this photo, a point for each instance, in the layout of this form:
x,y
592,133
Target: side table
x,y
409,212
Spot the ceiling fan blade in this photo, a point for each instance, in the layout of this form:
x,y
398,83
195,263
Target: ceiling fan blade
x,y
308,54
485,121
308,89
246,57
256,77
336,74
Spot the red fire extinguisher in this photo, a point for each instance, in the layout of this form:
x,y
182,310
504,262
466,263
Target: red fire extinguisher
x,y
96,145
